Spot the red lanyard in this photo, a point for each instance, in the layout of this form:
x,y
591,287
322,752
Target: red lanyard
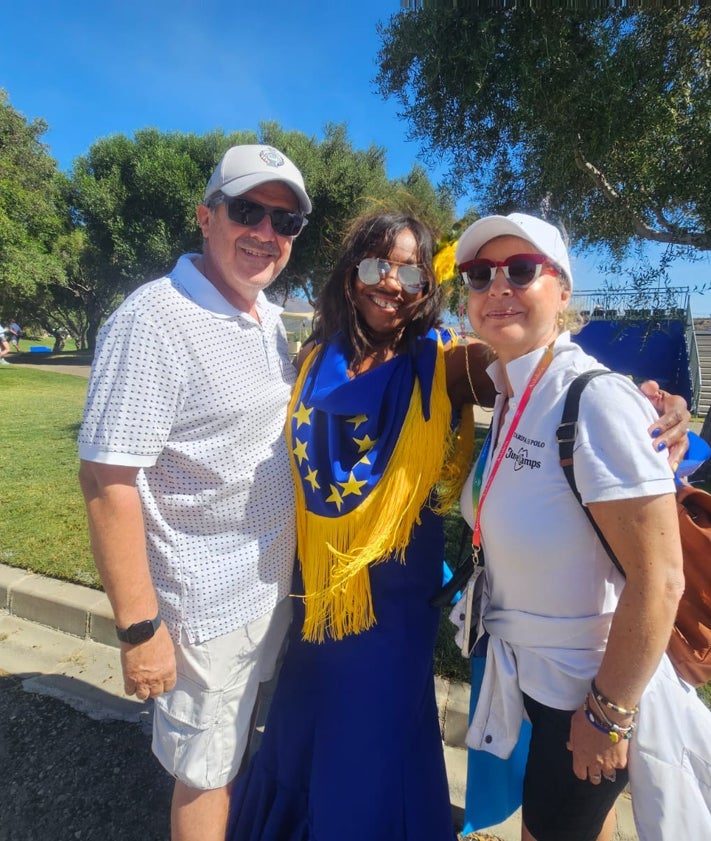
x,y
545,361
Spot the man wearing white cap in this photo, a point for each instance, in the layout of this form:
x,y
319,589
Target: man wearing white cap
x,y
187,485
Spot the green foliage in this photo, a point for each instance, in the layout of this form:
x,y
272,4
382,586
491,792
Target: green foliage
x,y
30,217
598,117
448,660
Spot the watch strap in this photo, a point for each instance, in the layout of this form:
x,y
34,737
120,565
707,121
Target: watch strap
x,y
139,631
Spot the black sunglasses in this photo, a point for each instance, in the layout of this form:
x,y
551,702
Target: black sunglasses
x,y
286,223
520,270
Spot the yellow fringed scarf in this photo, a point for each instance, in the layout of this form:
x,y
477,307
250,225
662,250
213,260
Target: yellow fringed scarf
x,y
335,552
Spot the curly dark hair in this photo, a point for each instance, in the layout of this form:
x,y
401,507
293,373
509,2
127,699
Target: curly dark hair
x,y
370,235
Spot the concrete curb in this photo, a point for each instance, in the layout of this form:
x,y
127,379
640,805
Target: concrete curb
x,y
70,608
61,638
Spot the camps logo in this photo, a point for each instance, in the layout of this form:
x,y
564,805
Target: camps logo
x,y
522,459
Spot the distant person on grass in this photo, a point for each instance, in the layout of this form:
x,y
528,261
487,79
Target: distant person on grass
x,y
15,332
4,347
187,483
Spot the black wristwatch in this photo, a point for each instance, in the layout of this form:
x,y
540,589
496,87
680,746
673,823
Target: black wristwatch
x,y
139,631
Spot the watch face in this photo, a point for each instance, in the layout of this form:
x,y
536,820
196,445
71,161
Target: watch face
x,y
140,632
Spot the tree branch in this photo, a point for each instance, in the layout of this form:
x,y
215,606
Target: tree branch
x,y
669,232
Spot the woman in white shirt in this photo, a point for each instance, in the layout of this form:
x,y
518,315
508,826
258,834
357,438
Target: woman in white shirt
x,y
572,645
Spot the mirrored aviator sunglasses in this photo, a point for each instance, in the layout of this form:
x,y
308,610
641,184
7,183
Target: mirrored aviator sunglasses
x,y
520,270
372,270
286,223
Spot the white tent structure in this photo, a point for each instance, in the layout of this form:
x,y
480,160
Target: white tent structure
x,y
297,317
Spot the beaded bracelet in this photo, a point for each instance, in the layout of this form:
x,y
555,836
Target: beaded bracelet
x,y
611,705
614,731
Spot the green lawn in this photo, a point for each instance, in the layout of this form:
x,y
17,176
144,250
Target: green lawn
x,y
41,507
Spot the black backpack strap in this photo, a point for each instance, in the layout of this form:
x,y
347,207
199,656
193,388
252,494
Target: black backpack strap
x,y
566,433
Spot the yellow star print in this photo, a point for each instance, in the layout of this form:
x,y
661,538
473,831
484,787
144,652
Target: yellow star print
x,y
365,443
352,486
300,451
311,479
302,415
357,420
335,497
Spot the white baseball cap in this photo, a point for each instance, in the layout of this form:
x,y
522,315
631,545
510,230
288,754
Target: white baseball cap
x,y
544,236
244,167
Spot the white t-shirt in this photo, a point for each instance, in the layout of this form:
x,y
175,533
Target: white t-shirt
x,y
543,557
194,392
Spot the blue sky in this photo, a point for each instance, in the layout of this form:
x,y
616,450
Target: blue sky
x,y
91,69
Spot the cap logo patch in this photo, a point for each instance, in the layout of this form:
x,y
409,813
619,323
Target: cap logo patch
x,y
271,157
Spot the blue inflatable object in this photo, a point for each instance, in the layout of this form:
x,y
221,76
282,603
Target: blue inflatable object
x,y
699,452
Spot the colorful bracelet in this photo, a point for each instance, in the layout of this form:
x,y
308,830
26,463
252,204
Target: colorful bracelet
x,y
615,732
611,705
600,710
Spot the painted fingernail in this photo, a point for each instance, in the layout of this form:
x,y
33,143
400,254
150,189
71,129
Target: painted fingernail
x,y
656,433
661,446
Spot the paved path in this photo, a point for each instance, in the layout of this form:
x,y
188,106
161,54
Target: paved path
x,y
78,368
59,638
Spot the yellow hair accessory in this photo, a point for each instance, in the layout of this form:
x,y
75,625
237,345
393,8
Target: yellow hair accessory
x,y
443,263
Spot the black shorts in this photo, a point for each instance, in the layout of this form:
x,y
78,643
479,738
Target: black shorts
x,y
557,806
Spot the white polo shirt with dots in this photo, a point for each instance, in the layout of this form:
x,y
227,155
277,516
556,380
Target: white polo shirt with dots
x,y
194,392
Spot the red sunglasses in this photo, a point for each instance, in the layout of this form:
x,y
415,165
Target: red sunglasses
x,y
520,270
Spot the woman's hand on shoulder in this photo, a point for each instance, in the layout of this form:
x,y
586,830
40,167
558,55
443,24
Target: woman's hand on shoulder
x,y
669,432
466,361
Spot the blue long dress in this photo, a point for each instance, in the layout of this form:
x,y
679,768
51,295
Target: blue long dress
x,y
352,749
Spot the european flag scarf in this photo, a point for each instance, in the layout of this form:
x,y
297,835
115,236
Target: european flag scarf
x,y
366,454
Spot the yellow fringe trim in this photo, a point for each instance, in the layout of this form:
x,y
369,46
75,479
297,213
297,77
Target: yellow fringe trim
x,y
460,448
458,461
335,552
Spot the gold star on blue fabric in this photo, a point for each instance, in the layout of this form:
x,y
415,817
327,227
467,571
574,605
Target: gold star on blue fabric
x,y
352,486
357,420
310,477
335,497
300,451
365,443
302,415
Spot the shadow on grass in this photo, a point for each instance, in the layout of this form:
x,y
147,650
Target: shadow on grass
x,y
63,358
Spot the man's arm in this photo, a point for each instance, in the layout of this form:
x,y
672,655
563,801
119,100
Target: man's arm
x,y
118,542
